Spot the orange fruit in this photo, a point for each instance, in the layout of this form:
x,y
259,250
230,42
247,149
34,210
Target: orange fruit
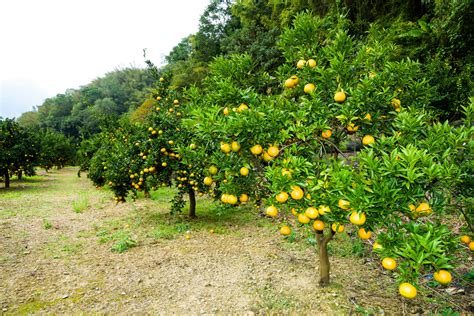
x,y
326,133
368,117
225,148
225,111
337,227
368,139
294,212
242,107
423,208
407,290
244,171
471,246
318,225
464,239
389,263
295,79
208,180
443,277
352,128
364,234
290,83
396,103
296,193
285,230
282,197
357,218
266,157
273,151
213,170
235,146
308,88
303,219
311,63
311,212
286,172
232,199
323,209
344,204
340,97
271,211
225,198
243,198
256,149
376,246
300,64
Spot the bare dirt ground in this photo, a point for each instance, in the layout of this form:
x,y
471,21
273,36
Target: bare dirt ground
x,y
54,259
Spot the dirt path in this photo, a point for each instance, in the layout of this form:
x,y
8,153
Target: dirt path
x,y
51,261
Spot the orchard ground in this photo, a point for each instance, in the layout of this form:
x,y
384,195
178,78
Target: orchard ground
x,y
66,247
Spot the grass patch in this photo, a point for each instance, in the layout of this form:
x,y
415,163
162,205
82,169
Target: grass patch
x,y
81,204
272,300
63,248
47,224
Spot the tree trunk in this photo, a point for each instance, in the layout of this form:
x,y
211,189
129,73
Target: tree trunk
x,y
7,178
192,203
20,174
147,194
324,265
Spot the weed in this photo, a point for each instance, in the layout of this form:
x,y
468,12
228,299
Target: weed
x,y
81,204
47,224
123,241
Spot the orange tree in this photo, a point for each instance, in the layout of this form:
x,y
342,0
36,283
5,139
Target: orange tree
x,y
338,93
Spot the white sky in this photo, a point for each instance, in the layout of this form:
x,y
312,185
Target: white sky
x,y
48,46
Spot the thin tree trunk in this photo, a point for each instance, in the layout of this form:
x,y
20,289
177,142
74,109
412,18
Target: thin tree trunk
x,y
192,203
324,265
147,194
7,178
20,174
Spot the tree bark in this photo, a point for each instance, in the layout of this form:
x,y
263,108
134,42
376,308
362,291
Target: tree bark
x,y
324,265
192,203
7,178
20,175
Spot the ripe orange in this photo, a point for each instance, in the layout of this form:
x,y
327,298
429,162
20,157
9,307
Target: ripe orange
x,y
290,83
162,79
396,103
232,199
337,227
256,149
235,146
242,107
294,212
376,246
344,204
323,209
282,197
225,198
308,88
273,151
285,230
243,198
286,172
423,208
296,193
244,171
389,263
368,117
471,246
442,276
225,148
464,239
368,139
208,180
340,97
311,63
213,170
318,225
300,64
295,79
412,207
311,212
352,128
164,164
225,111
364,234
407,290
303,219
266,157
271,211
357,218
326,133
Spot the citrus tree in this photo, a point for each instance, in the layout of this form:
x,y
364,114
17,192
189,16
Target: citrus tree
x,y
295,149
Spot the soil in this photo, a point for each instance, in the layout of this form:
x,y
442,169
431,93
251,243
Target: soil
x,y
248,269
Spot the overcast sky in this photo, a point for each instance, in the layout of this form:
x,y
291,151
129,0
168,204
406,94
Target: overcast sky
x,y
48,46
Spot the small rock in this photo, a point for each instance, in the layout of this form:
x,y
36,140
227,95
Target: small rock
x,y
65,296
4,309
123,293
